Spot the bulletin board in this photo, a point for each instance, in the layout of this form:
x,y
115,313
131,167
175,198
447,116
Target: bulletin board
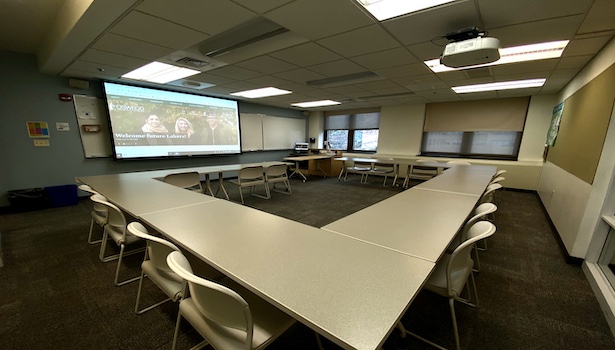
x,y
93,127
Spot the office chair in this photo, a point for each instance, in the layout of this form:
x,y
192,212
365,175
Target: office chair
x,y
116,230
249,177
421,172
190,181
99,213
156,268
384,169
275,174
450,277
227,315
480,213
361,168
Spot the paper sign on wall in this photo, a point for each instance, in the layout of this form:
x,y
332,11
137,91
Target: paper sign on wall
x,y
37,129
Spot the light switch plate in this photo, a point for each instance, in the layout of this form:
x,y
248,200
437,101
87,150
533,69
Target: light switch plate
x,y
41,143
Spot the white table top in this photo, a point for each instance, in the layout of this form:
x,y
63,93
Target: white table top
x,y
309,157
415,222
461,179
350,291
138,196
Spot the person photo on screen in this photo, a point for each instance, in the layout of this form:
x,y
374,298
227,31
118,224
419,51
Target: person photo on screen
x,y
153,124
216,133
183,126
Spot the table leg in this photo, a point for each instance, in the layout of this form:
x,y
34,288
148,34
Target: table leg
x,y
297,171
221,185
324,173
208,186
342,171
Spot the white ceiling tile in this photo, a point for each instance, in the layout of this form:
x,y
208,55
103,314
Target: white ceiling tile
x,y
386,59
349,90
262,6
316,19
236,73
525,67
601,17
143,27
268,80
452,76
306,54
527,10
267,65
573,61
211,79
130,47
439,95
198,15
421,82
427,25
242,85
589,46
96,67
428,50
403,71
299,75
112,59
564,73
537,32
360,41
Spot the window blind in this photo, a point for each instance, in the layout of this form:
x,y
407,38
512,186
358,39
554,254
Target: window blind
x,y
506,114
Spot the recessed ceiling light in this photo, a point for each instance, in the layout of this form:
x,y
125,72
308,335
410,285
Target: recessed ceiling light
x,y
385,9
161,73
504,85
523,53
264,92
316,104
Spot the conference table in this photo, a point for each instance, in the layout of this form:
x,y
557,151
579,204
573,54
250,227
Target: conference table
x,y
396,162
351,281
316,157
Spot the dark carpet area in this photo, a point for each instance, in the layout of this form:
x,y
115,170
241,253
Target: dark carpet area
x,y
56,294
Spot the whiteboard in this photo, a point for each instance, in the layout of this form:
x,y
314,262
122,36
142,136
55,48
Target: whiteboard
x,y
91,114
264,132
251,132
282,133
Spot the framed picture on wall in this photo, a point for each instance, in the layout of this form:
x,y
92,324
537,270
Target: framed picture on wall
x,y
555,122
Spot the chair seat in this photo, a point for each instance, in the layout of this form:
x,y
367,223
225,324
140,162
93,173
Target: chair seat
x,y
116,234
269,322
437,281
168,282
99,217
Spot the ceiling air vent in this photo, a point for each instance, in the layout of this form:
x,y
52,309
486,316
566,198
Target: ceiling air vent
x,y
241,36
192,62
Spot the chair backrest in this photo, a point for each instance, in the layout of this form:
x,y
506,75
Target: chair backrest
x,y
499,172
157,248
279,170
251,173
87,189
189,180
458,162
115,216
367,165
460,257
497,179
488,194
215,302
479,213
426,161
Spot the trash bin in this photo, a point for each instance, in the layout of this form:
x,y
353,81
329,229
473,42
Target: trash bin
x,y
28,199
61,196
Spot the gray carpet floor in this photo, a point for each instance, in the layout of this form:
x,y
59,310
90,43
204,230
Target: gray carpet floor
x,y
56,294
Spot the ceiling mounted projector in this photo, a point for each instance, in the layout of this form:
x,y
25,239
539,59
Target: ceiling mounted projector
x,y
470,48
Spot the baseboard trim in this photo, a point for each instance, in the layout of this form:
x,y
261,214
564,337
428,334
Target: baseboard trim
x,y
569,259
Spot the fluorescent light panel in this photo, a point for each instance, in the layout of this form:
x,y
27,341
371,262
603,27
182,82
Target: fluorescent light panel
x,y
316,104
264,92
385,9
523,53
161,73
504,85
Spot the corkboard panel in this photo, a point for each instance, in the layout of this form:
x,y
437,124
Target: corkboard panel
x,y
583,127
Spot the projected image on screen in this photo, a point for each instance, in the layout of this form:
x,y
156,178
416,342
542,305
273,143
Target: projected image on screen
x,y
156,123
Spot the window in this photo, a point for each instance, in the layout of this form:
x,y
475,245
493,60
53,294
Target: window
x,y
355,131
487,129
477,144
